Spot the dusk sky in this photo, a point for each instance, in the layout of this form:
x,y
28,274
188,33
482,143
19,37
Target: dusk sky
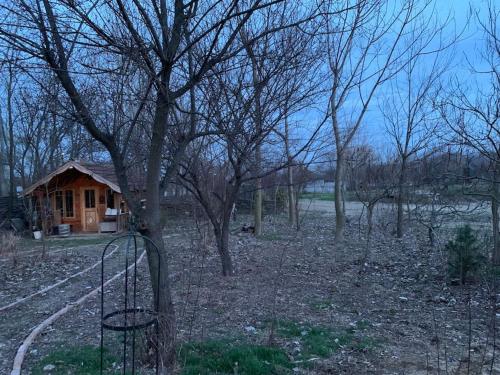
x,y
468,48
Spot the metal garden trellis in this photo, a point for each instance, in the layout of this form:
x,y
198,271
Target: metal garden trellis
x,y
130,317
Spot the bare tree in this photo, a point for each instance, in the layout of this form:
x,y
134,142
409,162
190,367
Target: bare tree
x,y
215,165
45,137
373,182
4,186
472,114
362,47
223,160
87,53
215,169
292,50
410,118
433,202
8,124
292,212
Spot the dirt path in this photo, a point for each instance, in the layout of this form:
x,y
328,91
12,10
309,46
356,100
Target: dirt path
x,y
29,340
19,320
46,289
64,276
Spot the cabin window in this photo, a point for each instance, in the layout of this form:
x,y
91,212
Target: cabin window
x,y
63,203
110,199
69,204
89,198
59,202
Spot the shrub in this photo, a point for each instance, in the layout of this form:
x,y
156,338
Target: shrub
x,y
464,256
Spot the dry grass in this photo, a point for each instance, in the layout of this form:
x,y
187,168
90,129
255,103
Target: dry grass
x,y
9,246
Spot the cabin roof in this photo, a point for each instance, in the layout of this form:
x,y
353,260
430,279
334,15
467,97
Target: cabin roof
x,y
103,173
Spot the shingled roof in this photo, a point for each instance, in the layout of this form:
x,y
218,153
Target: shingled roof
x,y
103,173
105,170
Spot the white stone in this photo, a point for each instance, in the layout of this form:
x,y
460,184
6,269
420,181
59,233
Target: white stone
x,y
250,329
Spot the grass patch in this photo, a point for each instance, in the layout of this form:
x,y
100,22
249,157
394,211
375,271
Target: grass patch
x,y
74,242
224,357
321,305
315,341
57,243
321,341
318,196
365,344
85,360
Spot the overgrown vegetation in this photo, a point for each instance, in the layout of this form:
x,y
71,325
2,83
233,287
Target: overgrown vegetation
x,y
225,357
56,243
464,255
308,344
85,360
318,196
314,341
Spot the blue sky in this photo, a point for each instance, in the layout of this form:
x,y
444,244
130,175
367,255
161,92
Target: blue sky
x,y
467,49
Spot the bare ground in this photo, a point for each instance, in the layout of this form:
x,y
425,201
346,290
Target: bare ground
x,y
416,322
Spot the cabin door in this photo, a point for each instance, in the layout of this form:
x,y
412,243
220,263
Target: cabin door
x,y
89,214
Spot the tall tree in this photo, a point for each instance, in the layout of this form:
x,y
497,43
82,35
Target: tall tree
x,y
292,50
362,52
472,113
410,118
87,53
11,77
218,164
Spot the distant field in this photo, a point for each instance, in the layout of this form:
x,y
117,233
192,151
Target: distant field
x,y
318,196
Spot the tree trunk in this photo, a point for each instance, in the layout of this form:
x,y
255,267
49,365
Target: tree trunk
x,y
291,198
495,217
12,186
370,208
339,209
258,197
257,84
4,188
400,199
222,239
164,304
432,223
151,218
297,209
369,218
10,122
292,217
343,202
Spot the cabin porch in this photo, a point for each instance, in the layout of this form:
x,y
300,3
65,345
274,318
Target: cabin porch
x,y
80,201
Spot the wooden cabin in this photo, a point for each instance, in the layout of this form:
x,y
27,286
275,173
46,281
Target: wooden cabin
x,y
82,194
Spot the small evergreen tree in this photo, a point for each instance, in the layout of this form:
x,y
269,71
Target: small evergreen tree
x,y
464,256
